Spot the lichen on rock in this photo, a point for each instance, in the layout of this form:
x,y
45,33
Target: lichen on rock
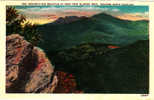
x,y
27,67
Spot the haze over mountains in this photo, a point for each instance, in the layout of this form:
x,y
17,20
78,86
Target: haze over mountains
x,y
101,28
46,14
68,19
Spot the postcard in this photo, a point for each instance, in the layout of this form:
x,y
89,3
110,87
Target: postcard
x,y
92,50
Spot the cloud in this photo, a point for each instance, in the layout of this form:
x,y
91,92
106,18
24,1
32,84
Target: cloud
x,y
145,14
52,13
115,10
134,16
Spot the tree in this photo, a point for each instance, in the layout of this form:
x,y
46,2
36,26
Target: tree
x,y
13,21
31,33
15,24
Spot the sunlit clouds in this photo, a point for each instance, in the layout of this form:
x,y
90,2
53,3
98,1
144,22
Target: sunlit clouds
x,y
43,15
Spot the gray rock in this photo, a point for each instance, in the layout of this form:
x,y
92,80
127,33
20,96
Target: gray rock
x,y
27,68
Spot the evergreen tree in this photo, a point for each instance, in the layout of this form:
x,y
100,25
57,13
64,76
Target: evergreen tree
x,y
15,24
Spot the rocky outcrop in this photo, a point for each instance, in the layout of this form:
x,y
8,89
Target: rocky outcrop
x,y
27,68
66,83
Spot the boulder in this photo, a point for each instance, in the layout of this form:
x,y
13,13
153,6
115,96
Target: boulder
x,y
17,49
27,68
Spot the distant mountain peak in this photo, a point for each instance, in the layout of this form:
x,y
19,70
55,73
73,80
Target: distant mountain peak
x,y
68,19
68,31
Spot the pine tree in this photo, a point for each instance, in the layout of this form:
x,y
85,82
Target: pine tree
x,y
15,24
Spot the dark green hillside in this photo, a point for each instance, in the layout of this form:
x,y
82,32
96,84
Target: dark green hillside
x,y
78,53
99,69
101,28
82,48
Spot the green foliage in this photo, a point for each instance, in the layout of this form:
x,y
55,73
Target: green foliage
x,y
99,69
101,28
13,21
15,24
79,52
31,33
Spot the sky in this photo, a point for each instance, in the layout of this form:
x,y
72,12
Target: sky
x,y
48,14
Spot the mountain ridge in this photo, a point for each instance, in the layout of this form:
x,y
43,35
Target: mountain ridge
x,y
101,28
